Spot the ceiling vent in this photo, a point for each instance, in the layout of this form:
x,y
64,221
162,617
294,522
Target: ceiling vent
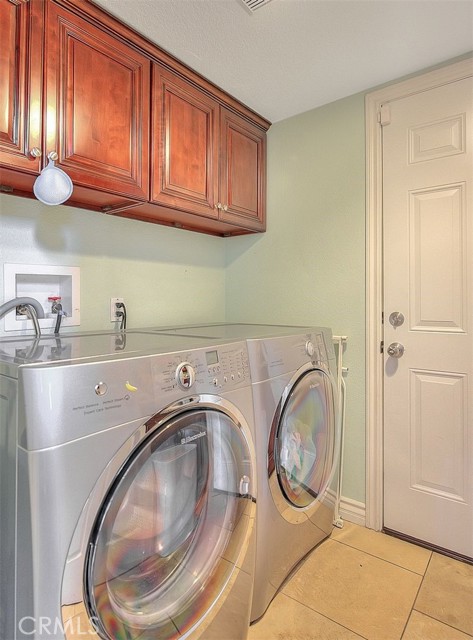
x,y
252,5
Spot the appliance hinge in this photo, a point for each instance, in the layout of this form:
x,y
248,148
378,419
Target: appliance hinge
x,y
381,346
384,115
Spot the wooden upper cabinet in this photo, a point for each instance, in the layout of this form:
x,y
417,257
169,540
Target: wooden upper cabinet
x,y
242,172
139,133
184,146
206,159
21,60
97,105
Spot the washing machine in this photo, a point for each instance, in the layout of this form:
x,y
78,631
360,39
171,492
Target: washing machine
x,y
298,435
127,488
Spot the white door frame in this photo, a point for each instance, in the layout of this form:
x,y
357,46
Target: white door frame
x,y
374,271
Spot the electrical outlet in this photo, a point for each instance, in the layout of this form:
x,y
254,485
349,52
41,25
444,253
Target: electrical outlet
x,y
113,308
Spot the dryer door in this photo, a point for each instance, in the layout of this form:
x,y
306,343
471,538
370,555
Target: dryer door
x,y
172,529
303,441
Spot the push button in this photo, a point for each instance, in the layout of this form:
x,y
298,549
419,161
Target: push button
x,y
101,388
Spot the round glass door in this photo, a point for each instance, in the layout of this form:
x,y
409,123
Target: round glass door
x,y
304,442
171,529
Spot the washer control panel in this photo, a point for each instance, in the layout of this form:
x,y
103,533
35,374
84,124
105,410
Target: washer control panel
x,y
219,368
117,391
227,367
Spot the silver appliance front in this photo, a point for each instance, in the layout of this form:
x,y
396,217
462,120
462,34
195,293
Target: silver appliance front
x,y
297,475
303,443
171,530
114,446
297,436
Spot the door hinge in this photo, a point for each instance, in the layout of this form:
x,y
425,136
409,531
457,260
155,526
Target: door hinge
x,y
381,346
384,115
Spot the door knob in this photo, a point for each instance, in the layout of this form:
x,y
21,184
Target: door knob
x,y
396,350
396,318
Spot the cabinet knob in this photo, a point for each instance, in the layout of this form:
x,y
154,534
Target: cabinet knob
x,y
218,205
53,155
36,152
225,207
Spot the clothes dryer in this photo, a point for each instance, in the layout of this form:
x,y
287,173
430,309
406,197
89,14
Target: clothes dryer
x,y
293,372
127,488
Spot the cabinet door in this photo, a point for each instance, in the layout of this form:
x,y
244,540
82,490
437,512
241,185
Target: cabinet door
x,y
21,59
242,172
184,145
97,105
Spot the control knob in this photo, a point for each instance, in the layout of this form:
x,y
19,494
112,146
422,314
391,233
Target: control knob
x,y
185,375
309,348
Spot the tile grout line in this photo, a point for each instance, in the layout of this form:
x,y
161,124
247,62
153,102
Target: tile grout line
x,y
323,615
415,599
445,624
427,614
422,576
372,555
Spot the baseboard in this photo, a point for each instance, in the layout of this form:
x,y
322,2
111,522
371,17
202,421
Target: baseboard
x,y
353,511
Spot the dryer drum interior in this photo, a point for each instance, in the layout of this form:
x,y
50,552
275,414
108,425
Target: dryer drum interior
x,y
304,439
171,529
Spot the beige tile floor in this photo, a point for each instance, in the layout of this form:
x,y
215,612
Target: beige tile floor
x,y
364,584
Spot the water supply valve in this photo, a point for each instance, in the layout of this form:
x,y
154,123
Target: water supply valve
x,y
56,306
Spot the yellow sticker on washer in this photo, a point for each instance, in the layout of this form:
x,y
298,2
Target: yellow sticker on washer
x,y
130,387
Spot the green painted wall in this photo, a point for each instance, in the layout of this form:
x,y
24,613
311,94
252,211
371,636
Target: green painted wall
x,y
309,267
165,275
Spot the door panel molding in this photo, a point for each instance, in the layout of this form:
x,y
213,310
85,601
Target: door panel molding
x,y
374,272
438,219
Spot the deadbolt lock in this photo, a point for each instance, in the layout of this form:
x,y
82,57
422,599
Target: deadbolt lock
x,y
396,318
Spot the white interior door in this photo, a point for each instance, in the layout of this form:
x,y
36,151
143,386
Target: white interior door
x,y
428,278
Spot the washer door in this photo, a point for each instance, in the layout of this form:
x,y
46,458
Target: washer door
x,y
167,540
302,443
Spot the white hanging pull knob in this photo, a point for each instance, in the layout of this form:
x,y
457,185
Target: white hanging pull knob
x,y
53,186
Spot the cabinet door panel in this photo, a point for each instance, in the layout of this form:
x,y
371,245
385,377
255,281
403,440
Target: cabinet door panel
x,y
98,111
184,145
243,171
21,28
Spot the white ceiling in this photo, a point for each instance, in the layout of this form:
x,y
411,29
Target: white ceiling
x,y
293,55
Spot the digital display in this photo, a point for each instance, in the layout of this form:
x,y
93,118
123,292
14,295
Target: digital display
x,y
212,357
